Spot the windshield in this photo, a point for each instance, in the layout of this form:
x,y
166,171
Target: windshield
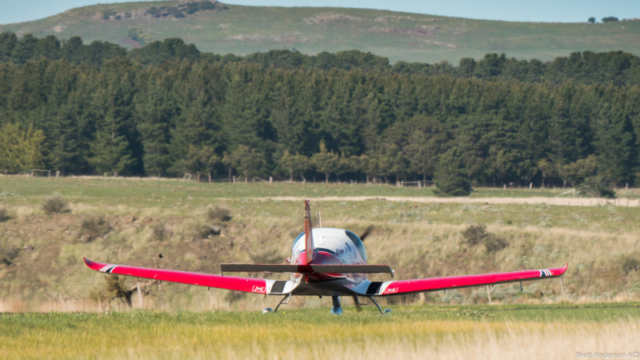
x,y
296,240
358,243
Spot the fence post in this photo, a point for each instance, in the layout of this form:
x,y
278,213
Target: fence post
x,y
530,185
57,173
419,184
270,180
198,177
505,186
209,177
234,179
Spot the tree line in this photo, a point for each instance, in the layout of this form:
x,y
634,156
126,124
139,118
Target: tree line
x,y
238,117
617,67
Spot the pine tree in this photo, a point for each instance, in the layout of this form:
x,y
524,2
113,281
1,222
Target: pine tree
x,y
110,149
324,161
248,161
451,178
20,150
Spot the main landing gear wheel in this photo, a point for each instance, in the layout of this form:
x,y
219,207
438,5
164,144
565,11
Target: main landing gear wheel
x,y
336,309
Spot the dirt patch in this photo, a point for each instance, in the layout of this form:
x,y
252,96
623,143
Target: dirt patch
x,y
409,31
327,18
385,19
466,200
279,38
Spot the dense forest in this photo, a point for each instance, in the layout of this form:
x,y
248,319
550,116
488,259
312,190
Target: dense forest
x,y
167,109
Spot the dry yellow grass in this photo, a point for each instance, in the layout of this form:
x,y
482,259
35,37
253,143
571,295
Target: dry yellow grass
x,y
153,336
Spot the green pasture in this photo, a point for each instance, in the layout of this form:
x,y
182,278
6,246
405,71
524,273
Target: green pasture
x,y
129,190
308,332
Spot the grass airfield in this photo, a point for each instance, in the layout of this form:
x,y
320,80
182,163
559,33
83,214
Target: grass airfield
x,y
409,332
47,312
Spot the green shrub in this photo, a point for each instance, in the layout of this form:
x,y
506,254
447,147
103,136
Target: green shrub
x,y
160,232
55,205
94,227
629,264
595,186
4,214
478,235
219,214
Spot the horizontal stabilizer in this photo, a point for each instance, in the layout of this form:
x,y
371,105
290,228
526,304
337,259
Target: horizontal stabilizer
x,y
307,269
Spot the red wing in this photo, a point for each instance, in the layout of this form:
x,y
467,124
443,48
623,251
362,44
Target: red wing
x,y
452,282
251,285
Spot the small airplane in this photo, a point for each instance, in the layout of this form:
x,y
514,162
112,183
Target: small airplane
x,y
324,262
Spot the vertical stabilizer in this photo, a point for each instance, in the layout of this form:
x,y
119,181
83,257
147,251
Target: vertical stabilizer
x,y
308,234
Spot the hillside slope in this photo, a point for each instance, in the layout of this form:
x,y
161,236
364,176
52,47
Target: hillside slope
x,y
399,36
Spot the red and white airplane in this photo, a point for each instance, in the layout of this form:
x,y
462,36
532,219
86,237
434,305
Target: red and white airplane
x,y
324,262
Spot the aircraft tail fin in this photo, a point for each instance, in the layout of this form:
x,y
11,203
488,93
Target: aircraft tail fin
x,y
308,234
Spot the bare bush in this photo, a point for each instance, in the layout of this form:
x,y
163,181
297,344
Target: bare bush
x,y
55,205
8,254
234,296
201,232
159,231
4,214
478,235
629,264
94,227
113,288
218,213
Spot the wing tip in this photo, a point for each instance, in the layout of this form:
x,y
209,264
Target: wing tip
x,y
562,270
90,264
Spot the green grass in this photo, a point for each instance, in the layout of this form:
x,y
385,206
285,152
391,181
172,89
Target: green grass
x,y
244,30
148,334
130,191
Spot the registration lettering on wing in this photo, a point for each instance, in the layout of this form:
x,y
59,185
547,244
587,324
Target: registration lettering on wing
x,y
391,291
258,289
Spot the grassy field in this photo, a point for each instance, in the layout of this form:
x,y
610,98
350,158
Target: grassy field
x,y
410,332
46,310
399,36
129,221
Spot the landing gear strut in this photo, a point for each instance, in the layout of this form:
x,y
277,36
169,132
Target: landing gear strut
x,y
336,309
268,310
386,311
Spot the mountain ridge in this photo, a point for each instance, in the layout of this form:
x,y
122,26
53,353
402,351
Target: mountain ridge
x,y
399,36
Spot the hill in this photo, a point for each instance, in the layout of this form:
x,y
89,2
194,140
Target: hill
x,y
243,30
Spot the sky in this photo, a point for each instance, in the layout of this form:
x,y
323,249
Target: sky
x,y
508,10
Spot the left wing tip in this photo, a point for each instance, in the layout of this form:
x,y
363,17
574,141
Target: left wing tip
x,y
90,264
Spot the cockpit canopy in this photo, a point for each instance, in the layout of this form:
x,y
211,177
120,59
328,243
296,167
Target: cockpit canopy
x,y
353,237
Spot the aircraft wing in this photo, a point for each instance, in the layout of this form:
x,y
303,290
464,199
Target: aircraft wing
x,y
452,282
246,284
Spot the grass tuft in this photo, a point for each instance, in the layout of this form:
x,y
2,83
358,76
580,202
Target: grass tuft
x,y
4,214
94,227
55,205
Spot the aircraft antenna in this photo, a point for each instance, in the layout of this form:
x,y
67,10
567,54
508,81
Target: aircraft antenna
x,y
320,218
